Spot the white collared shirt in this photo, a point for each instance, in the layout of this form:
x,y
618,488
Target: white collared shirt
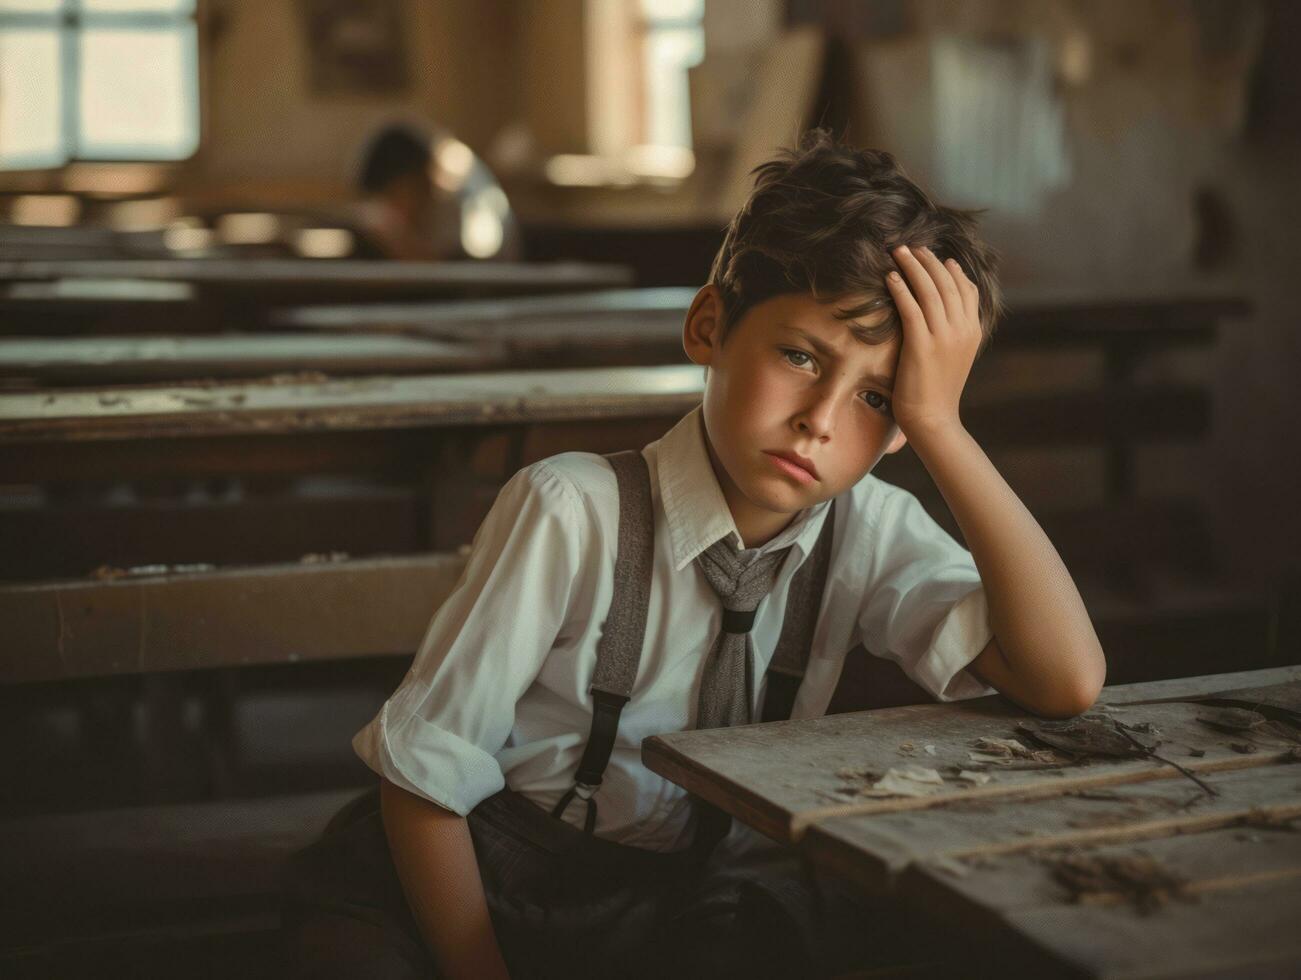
x,y
498,691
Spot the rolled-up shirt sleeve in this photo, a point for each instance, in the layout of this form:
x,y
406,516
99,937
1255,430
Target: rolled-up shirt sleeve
x,y
924,607
438,734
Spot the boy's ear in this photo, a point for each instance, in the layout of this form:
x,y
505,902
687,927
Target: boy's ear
x,y
898,442
702,329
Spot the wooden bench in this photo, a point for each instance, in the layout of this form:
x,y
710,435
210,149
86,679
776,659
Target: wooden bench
x,y
166,891
159,620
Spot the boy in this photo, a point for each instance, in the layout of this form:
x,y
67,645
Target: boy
x,y
399,211
819,359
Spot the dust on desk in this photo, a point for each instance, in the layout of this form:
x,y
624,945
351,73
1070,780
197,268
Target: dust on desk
x,y
1104,879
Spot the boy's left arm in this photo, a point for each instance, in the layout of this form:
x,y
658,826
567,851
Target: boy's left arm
x,y
1045,654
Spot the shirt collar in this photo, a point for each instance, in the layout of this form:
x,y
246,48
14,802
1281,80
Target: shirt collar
x,y
694,505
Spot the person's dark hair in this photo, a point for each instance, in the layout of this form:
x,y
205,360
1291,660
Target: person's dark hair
x,y
823,219
394,152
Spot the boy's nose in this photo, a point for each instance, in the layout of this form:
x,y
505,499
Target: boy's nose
x,y
818,417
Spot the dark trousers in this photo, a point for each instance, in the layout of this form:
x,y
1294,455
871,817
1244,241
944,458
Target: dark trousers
x,y
564,904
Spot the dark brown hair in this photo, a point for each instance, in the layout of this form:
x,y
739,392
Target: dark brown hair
x,y
823,219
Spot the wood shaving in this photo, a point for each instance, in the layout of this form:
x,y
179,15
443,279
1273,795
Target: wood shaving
x,y
907,781
1005,747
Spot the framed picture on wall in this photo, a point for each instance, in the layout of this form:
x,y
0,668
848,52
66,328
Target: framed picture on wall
x,y
355,47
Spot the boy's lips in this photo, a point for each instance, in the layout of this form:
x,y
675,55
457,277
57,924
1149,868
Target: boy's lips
x,y
795,460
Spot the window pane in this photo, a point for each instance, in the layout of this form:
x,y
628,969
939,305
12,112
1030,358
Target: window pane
x,y
30,93
688,10
137,94
136,6
29,6
669,54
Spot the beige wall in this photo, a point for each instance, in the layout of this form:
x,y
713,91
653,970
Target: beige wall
x,y
262,122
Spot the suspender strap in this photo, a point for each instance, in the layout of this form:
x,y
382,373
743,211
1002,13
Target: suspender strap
x,y
803,603
618,652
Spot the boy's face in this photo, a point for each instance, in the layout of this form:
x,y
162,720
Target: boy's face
x,y
790,379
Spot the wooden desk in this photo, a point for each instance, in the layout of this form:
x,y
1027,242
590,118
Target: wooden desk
x,y
347,405
36,362
1036,317
27,242
1021,862
427,454
629,326
285,280
96,306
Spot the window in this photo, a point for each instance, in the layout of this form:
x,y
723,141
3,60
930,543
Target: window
x,y
672,41
638,101
97,80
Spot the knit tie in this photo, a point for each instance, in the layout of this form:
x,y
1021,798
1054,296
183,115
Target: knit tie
x,y
726,689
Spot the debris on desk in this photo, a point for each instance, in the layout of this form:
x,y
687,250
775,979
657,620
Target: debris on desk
x,y
1231,719
1248,724
912,781
1095,879
296,378
1005,747
1272,820
976,778
907,748
1008,753
108,573
1141,728
1084,737
928,749
323,558
1096,736
908,781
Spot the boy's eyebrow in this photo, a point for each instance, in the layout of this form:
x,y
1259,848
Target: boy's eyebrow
x,y
827,351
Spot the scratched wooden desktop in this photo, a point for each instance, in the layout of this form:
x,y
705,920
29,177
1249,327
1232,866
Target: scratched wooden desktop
x,y
1048,863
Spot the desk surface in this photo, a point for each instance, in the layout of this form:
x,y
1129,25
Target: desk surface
x,y
1036,317
364,278
1050,861
349,404
38,361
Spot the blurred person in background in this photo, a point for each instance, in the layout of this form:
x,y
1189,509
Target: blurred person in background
x,y
429,199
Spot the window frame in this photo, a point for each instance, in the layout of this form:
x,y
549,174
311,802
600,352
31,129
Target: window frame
x,y
69,20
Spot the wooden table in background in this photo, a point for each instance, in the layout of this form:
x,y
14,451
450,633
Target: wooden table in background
x,y
44,362
1114,868
316,280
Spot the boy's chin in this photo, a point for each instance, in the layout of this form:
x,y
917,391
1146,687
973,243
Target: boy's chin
x,y
781,499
